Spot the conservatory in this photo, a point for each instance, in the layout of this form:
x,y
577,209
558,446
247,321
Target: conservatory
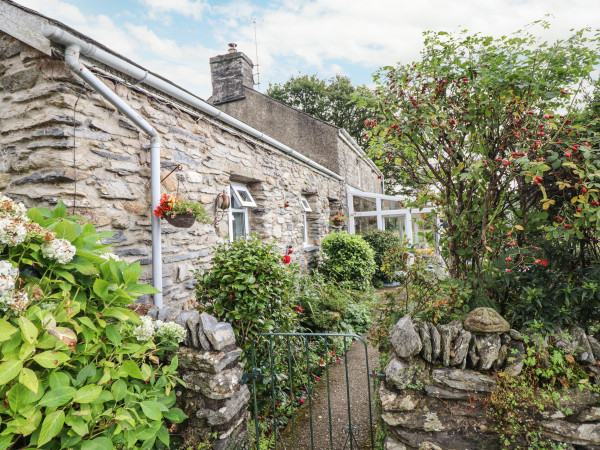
x,y
369,211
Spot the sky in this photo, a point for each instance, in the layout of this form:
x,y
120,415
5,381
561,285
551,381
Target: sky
x,y
176,38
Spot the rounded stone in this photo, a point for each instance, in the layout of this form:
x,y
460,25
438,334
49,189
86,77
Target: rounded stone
x,y
486,320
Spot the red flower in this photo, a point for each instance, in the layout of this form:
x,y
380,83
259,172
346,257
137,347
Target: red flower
x,y
508,259
299,308
544,263
286,259
537,261
508,270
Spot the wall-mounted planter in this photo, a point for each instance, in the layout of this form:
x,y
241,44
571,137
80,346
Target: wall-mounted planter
x,y
181,220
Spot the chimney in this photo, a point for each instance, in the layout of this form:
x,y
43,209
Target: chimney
x,y
230,73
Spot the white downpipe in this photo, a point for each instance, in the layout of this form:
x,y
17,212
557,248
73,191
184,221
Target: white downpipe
x,y
72,61
142,76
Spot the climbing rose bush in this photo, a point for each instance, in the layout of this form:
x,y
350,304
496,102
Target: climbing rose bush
x,y
74,373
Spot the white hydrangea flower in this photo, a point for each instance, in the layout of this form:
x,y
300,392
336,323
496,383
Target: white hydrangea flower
x,y
59,249
170,331
145,331
8,276
107,256
20,301
9,207
12,230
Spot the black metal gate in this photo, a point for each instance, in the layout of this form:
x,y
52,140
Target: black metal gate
x,y
290,373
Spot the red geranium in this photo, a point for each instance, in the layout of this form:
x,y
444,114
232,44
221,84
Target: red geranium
x,y
286,259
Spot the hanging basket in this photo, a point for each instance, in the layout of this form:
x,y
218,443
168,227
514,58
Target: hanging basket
x,y
338,222
181,220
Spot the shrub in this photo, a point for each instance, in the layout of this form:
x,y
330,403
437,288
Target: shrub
x,y
348,258
248,286
77,370
540,388
386,245
327,307
423,294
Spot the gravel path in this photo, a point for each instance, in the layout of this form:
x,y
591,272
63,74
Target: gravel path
x,y
359,401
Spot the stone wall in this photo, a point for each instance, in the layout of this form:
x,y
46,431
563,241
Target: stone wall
x,y
61,141
439,379
209,364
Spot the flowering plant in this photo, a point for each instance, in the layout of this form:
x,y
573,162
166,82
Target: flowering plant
x,y
339,217
73,369
173,206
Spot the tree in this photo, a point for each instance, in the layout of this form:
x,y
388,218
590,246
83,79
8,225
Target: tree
x,y
329,100
474,126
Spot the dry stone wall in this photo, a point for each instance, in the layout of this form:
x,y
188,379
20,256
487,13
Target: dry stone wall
x,y
439,379
61,141
209,363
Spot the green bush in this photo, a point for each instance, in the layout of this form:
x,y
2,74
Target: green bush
x,y
79,369
348,258
327,307
250,287
385,244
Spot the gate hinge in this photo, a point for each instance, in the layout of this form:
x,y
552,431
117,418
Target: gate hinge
x,y
375,374
249,376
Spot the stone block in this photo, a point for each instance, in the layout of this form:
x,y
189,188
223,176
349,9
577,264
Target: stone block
x,y
218,386
488,349
228,411
399,373
461,348
220,336
393,401
465,380
486,320
206,361
405,339
448,333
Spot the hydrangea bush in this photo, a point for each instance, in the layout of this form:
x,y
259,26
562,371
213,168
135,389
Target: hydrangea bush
x,y
79,369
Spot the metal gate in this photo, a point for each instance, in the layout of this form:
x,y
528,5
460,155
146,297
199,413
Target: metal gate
x,y
290,373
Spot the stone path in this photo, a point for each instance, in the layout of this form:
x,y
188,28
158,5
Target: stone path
x,y
359,401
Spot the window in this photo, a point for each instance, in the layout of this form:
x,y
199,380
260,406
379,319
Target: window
x,y
305,209
241,200
370,211
242,194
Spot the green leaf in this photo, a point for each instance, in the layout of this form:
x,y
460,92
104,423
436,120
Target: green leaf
x,y
29,379
119,389
78,425
9,370
175,415
100,443
51,359
57,396
58,379
131,369
85,373
19,397
112,333
87,394
66,275
6,330
123,314
142,289
151,410
65,230
101,288
163,435
51,426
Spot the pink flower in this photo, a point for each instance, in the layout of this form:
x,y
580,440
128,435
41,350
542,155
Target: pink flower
x,y
337,360
172,216
537,261
301,400
508,259
508,270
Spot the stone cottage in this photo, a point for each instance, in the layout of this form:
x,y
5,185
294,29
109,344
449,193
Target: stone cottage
x,y
83,125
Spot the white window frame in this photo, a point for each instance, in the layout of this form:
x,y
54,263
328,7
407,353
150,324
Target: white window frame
x,y
231,210
305,209
381,214
240,190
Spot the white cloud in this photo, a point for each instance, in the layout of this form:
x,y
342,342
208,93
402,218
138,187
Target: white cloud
x,y
186,65
310,36
193,8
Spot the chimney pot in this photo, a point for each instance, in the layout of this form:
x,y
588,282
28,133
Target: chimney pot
x,y
232,47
